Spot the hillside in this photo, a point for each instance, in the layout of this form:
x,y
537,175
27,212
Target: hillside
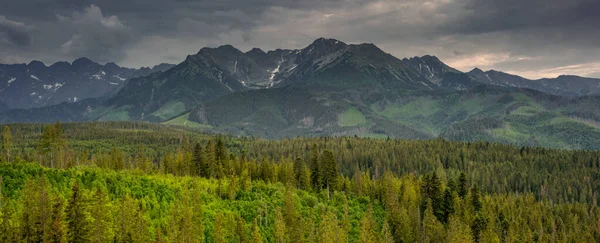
x,y
523,117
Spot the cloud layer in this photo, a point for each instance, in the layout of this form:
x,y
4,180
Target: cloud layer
x,y
534,38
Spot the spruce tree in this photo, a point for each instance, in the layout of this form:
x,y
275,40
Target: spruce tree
x,y
6,143
78,227
329,174
462,186
368,227
315,168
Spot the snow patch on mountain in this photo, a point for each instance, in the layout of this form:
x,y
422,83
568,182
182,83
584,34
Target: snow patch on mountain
x,y
274,72
118,76
53,87
100,75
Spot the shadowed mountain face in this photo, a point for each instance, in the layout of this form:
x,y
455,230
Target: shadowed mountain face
x,y
565,85
36,85
333,88
326,64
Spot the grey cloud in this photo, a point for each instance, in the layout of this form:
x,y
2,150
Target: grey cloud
x,y
521,35
14,32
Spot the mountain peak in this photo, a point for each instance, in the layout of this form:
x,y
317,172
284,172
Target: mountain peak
x,y
82,62
224,48
111,65
36,64
256,50
476,71
329,41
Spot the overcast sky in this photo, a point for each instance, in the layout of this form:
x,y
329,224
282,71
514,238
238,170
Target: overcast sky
x,y
533,38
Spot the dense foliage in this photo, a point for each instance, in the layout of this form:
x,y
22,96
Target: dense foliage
x,y
95,182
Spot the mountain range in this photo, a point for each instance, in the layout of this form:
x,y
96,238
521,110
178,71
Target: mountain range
x,y
32,85
330,88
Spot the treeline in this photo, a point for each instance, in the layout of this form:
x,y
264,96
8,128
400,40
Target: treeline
x,y
554,175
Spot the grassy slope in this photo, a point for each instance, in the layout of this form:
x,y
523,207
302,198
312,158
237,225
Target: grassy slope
x,y
352,117
184,121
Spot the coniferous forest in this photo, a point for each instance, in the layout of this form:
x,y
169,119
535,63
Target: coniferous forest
x,y
140,182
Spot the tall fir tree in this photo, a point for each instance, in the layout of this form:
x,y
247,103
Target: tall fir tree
x,y
78,226
315,168
6,143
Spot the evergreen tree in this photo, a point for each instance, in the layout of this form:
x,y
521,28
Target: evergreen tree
x,y
256,236
368,227
198,162
58,229
447,205
6,143
241,231
100,211
386,233
76,214
300,174
458,232
433,230
280,227
330,172
462,185
478,226
315,168
218,231
475,200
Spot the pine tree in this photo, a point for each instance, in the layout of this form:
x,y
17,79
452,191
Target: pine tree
x,y
100,212
478,226
280,227
300,174
218,231
433,230
386,233
458,232
329,174
329,230
58,229
462,185
256,236
475,200
198,162
241,231
368,227
315,168
447,205
131,224
209,165
76,214
6,143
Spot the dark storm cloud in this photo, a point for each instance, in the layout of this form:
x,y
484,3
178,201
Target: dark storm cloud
x,y
14,33
533,37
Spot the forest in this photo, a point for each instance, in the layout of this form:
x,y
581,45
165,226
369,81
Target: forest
x,y
141,182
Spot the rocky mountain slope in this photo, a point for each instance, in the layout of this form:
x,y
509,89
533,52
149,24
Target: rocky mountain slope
x,y
565,85
36,85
